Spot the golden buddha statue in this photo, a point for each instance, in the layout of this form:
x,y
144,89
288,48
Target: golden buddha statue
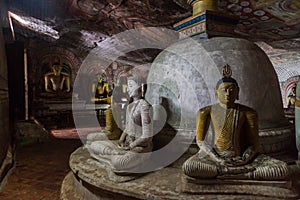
x,y
101,91
292,98
111,130
128,151
57,81
234,152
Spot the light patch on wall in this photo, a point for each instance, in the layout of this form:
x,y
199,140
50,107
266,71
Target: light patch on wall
x,y
92,38
32,24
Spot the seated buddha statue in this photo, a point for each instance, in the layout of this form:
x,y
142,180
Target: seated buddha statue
x,y
101,90
292,98
57,81
111,130
131,149
235,149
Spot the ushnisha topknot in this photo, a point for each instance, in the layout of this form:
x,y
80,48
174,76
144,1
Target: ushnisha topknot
x,y
227,72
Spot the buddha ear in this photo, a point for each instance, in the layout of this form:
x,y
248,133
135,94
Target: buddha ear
x,y
216,93
238,92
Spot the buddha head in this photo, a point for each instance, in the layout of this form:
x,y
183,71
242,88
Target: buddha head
x,y
227,88
294,91
136,86
56,68
102,78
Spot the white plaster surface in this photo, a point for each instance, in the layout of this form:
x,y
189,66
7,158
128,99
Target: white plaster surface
x,y
186,74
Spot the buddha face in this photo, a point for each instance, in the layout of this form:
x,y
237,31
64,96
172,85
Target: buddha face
x,y
102,79
56,69
133,88
227,93
294,90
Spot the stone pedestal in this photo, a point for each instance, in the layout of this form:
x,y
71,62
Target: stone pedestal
x,y
278,189
89,180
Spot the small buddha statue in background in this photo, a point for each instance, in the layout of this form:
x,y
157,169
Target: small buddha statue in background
x,y
132,148
234,152
112,121
101,90
57,81
111,130
292,98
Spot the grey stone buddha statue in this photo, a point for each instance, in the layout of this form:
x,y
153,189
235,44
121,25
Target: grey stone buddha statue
x,y
134,145
234,152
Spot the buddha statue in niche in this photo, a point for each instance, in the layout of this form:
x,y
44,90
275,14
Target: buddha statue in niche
x,y
132,147
234,152
57,81
101,90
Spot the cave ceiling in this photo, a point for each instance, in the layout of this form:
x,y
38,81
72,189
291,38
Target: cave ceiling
x,y
83,24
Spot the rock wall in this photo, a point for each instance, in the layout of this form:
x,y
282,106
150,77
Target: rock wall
x,y
5,136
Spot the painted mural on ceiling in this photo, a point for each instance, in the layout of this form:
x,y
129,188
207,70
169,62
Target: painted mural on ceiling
x,y
82,24
273,20
268,20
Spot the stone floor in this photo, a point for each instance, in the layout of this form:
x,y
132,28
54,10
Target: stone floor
x,y
39,170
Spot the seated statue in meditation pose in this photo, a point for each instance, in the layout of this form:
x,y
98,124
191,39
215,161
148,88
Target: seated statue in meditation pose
x,y
292,98
111,130
131,149
234,152
57,81
101,90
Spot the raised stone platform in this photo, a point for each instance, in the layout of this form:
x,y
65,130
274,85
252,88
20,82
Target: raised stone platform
x,y
89,180
278,189
278,141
